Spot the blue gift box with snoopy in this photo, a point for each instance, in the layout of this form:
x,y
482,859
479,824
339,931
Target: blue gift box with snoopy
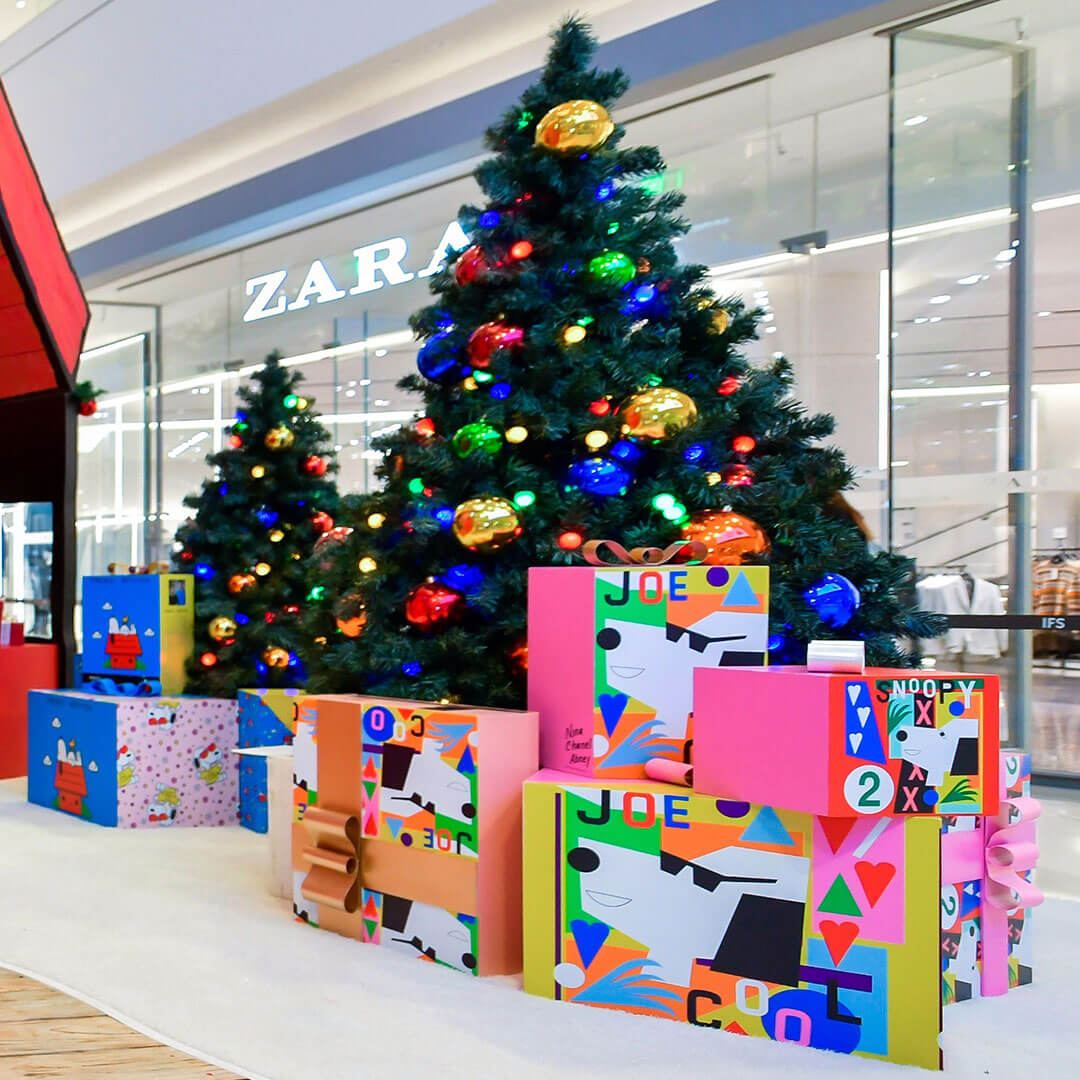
x,y
138,630
127,762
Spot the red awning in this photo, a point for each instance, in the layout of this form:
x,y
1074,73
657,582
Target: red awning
x,y
43,312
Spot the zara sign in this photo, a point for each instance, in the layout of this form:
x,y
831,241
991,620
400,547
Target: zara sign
x,y
377,265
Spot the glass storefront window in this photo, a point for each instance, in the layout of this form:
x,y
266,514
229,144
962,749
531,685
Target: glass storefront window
x,y
26,543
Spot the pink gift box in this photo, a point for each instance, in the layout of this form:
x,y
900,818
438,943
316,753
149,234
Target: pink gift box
x,y
985,937
612,653
882,743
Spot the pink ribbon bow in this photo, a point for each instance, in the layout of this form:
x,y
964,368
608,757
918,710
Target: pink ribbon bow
x,y
1010,851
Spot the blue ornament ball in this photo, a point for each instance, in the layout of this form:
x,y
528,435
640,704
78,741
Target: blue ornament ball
x,y
834,599
600,476
438,360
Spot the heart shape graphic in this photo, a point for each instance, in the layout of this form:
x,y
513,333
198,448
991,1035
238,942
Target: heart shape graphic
x,y
864,714
855,738
589,937
838,938
853,692
612,706
875,878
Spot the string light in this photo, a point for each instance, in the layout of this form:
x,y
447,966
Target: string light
x,y
482,376
235,442
412,669
317,592
367,565
570,540
743,444
524,499
693,453
516,434
416,485
204,571
521,250
258,472
208,659
500,391
573,335
276,536
376,521
489,219
290,401
663,501
713,478
262,568
728,386
469,383
596,439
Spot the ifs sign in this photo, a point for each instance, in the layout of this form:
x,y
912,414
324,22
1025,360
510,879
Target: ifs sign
x,y
376,265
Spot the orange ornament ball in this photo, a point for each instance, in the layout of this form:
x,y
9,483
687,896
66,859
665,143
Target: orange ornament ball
x,y
239,583
351,627
729,538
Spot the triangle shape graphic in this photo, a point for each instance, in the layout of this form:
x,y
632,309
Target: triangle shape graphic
x,y
734,1028
869,746
369,772
394,825
767,828
838,900
369,788
741,594
836,830
370,910
465,765
370,928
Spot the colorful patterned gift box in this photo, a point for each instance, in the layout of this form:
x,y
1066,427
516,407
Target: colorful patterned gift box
x,y
267,718
987,891
138,630
881,743
648,898
133,762
612,651
407,829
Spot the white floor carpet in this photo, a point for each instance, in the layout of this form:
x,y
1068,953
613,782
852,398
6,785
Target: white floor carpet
x,y
172,930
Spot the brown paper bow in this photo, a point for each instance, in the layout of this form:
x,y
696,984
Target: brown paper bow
x,y
682,551
334,857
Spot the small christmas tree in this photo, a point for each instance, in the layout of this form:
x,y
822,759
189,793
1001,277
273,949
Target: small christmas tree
x,y
578,383
271,496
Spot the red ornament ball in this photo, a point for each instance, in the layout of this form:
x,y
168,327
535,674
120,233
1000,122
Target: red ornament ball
x,y
471,265
728,386
315,465
737,475
489,337
235,442
425,427
519,657
333,536
600,407
570,540
322,522
743,444
433,604
87,408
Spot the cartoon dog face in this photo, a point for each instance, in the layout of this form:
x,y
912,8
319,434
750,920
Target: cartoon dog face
x,y
937,751
655,664
424,930
685,910
159,813
124,758
424,779
208,757
161,715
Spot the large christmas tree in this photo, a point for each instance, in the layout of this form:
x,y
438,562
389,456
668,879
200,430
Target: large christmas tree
x,y
579,383
270,496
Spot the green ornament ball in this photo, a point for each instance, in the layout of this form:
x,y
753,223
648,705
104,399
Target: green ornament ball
x,y
612,268
478,437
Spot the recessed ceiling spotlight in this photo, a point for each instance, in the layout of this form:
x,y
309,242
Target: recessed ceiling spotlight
x,y
381,352
984,373
1005,255
941,298
971,279
935,318
921,319
916,120
20,3
770,329
1043,314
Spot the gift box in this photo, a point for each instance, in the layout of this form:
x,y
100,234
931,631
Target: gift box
x,y
133,762
407,828
612,651
277,764
649,898
267,718
137,629
987,891
884,742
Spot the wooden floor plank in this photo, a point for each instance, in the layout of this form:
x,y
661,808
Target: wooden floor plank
x,y
73,1033
144,1063
46,1035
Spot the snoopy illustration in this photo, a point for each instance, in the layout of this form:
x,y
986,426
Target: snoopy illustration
x,y
125,766
208,764
426,780
655,664
162,810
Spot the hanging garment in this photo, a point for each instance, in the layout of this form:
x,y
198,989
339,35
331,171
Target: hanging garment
x,y
947,594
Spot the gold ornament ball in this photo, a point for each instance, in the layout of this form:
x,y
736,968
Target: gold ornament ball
x,y
721,320
657,413
276,657
222,628
729,537
279,438
239,583
574,126
486,523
